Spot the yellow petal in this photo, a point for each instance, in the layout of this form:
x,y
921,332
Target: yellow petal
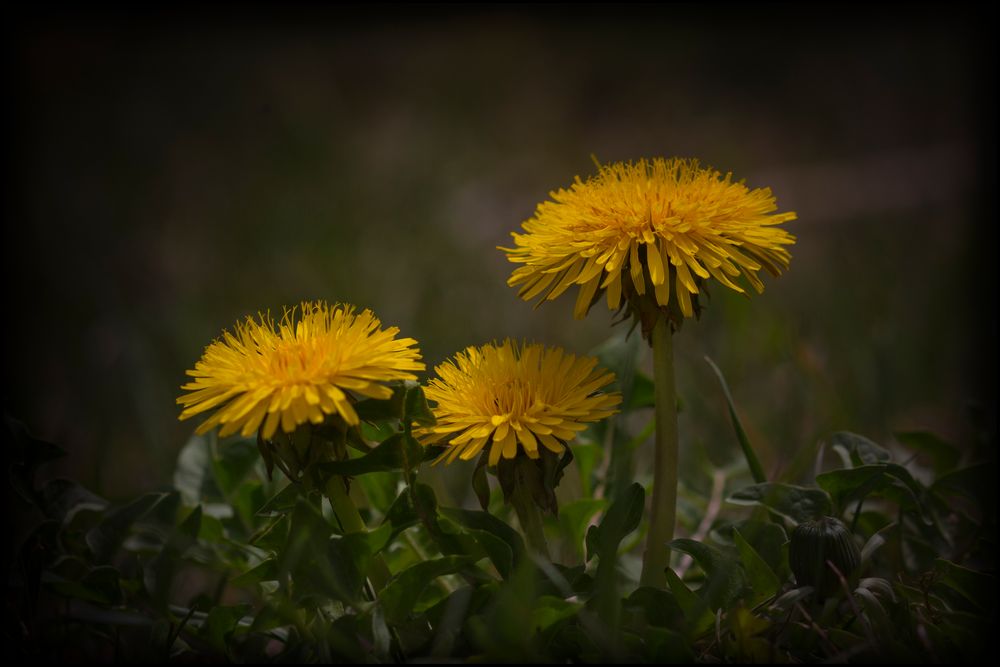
x,y
551,443
583,299
614,293
655,263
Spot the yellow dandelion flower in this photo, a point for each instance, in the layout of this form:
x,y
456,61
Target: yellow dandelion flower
x,y
660,226
300,370
509,394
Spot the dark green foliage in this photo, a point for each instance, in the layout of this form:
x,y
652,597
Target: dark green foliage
x,y
237,563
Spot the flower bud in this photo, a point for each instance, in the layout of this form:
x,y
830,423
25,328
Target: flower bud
x,y
813,543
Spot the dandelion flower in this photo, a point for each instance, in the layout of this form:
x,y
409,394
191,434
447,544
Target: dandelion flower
x,y
509,396
656,227
301,369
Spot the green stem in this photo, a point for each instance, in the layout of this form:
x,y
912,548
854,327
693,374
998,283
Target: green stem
x,y
661,522
529,516
351,522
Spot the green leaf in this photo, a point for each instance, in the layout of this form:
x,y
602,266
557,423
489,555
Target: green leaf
x,y
724,576
666,647
480,483
246,500
221,624
976,482
388,456
403,591
272,536
415,408
410,506
341,643
60,499
281,502
879,586
108,535
448,616
621,519
211,530
586,457
745,645
875,613
37,550
29,453
374,410
860,449
767,538
888,480
764,583
71,578
756,469
549,610
381,635
232,463
967,638
498,551
575,519
158,573
976,587
875,542
264,571
795,503
642,392
111,617
379,488
193,476
306,557
349,558
698,616
575,577
790,598
379,538
944,456
485,522
72,568
268,618
191,525
620,354
658,607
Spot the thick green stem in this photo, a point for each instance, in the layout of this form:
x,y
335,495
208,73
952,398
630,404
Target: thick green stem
x,y
529,516
351,522
662,519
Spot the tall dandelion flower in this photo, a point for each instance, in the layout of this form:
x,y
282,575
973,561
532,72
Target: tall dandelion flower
x,y
511,398
648,235
657,228
307,366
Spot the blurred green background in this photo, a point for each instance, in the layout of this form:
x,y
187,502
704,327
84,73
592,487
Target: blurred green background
x,y
172,174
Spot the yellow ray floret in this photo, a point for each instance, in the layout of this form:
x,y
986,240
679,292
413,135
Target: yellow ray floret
x,y
297,370
670,222
508,397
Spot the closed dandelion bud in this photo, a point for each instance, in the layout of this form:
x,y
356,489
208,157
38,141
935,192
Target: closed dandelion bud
x,y
813,543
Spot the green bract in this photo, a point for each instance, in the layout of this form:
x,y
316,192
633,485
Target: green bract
x,y
821,553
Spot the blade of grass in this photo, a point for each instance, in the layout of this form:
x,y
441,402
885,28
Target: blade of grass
x,y
755,468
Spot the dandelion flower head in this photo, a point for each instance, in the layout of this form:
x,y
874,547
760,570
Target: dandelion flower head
x,y
656,227
512,396
299,369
